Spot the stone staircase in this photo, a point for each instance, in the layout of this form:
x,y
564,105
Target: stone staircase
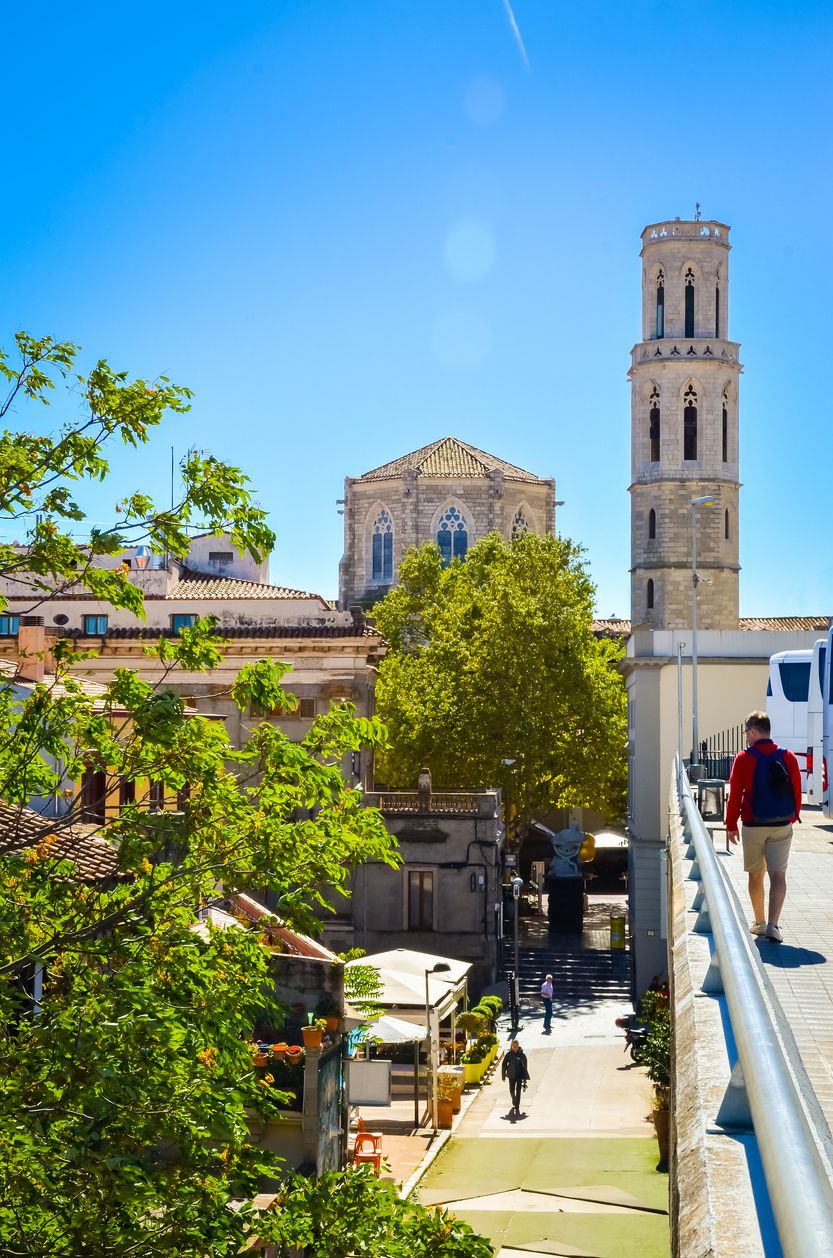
x,y
581,975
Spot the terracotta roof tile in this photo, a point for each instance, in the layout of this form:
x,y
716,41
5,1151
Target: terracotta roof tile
x,y
748,624
22,828
193,584
449,457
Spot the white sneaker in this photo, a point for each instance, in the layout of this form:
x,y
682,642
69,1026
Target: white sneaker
x,y
774,933
758,928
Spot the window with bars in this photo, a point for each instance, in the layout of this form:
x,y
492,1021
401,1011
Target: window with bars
x,y
420,899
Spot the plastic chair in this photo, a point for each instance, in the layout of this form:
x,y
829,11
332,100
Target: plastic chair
x,y
361,1130
368,1148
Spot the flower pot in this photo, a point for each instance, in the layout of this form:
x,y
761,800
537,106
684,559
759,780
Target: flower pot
x,y
279,1050
661,1123
474,1071
312,1036
457,1100
260,1059
445,1112
332,1023
294,1054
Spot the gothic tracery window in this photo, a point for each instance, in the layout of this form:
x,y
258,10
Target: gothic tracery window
x,y
452,536
690,423
519,524
660,321
382,548
689,303
654,425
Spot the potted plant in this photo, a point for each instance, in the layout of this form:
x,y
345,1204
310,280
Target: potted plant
x,y
473,1062
314,1032
455,1073
279,1050
655,1054
446,1085
294,1054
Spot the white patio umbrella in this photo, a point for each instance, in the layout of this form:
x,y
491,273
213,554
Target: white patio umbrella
x,y
391,1030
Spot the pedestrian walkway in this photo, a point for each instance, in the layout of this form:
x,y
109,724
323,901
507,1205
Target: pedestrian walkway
x,y
800,968
576,1173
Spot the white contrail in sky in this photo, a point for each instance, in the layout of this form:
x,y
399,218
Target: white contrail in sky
x,y
508,7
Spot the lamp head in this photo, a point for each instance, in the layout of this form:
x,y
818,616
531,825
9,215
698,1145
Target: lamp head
x,y
517,883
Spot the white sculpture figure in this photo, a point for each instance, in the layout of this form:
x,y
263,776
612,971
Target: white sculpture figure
x,y
566,846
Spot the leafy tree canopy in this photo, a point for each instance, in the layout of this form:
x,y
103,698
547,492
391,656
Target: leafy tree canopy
x,y
494,660
126,1080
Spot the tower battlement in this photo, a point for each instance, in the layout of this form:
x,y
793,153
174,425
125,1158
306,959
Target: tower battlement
x,y
678,229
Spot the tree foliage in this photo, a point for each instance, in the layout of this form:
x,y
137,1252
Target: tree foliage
x,y
126,1079
494,660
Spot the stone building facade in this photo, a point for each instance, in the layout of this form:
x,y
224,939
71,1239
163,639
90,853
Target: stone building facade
x,y
684,375
448,492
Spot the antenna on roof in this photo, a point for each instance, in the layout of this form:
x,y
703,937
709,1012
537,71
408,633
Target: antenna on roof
x,y
697,211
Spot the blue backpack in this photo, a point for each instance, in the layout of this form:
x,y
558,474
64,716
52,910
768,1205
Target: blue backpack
x,y
773,801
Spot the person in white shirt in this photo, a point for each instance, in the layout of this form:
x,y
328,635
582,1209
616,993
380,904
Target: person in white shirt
x,y
546,996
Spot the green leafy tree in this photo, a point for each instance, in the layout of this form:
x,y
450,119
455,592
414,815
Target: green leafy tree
x,y
493,660
126,1079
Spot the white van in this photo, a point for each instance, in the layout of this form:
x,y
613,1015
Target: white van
x,y
815,723
827,728
786,703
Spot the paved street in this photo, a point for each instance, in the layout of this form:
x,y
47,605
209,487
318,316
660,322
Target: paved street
x,y
576,1174
799,968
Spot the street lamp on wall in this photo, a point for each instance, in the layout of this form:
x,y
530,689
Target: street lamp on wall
x,y
705,500
441,967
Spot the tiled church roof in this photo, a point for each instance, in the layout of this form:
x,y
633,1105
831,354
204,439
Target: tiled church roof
x,y
750,624
193,584
449,457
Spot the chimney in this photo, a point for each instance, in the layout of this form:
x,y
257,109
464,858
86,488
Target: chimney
x,y
31,649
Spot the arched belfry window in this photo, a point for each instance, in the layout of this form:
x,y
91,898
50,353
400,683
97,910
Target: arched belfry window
x,y
727,532
717,306
654,425
689,303
690,423
660,322
382,546
649,595
519,524
452,536
726,427
652,525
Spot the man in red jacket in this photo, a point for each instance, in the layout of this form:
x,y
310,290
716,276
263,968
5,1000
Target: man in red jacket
x,y
765,792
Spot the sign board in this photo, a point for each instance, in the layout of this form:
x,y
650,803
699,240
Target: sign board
x,y
368,1082
510,859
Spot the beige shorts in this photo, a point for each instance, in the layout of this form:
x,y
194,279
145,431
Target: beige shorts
x,y
766,845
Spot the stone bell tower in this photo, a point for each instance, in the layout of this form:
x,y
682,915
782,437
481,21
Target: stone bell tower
x,y
684,431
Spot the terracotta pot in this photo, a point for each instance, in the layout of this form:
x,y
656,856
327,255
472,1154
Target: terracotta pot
x,y
279,1051
312,1036
445,1113
332,1023
457,1100
661,1123
260,1059
294,1053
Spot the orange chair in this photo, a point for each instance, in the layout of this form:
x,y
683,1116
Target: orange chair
x,y
362,1131
368,1148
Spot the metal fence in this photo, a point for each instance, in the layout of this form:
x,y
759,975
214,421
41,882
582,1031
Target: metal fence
x,y
718,751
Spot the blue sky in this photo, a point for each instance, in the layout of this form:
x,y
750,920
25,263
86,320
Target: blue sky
x,y
353,228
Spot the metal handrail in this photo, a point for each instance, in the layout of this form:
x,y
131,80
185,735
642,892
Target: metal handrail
x,y
797,1178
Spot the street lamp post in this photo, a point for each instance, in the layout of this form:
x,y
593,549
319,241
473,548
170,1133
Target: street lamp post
x,y
706,500
517,884
431,1063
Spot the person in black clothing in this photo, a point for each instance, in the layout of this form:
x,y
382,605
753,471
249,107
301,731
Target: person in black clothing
x,y
514,1069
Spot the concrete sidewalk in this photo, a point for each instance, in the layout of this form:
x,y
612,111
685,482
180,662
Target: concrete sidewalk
x,y
575,1174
